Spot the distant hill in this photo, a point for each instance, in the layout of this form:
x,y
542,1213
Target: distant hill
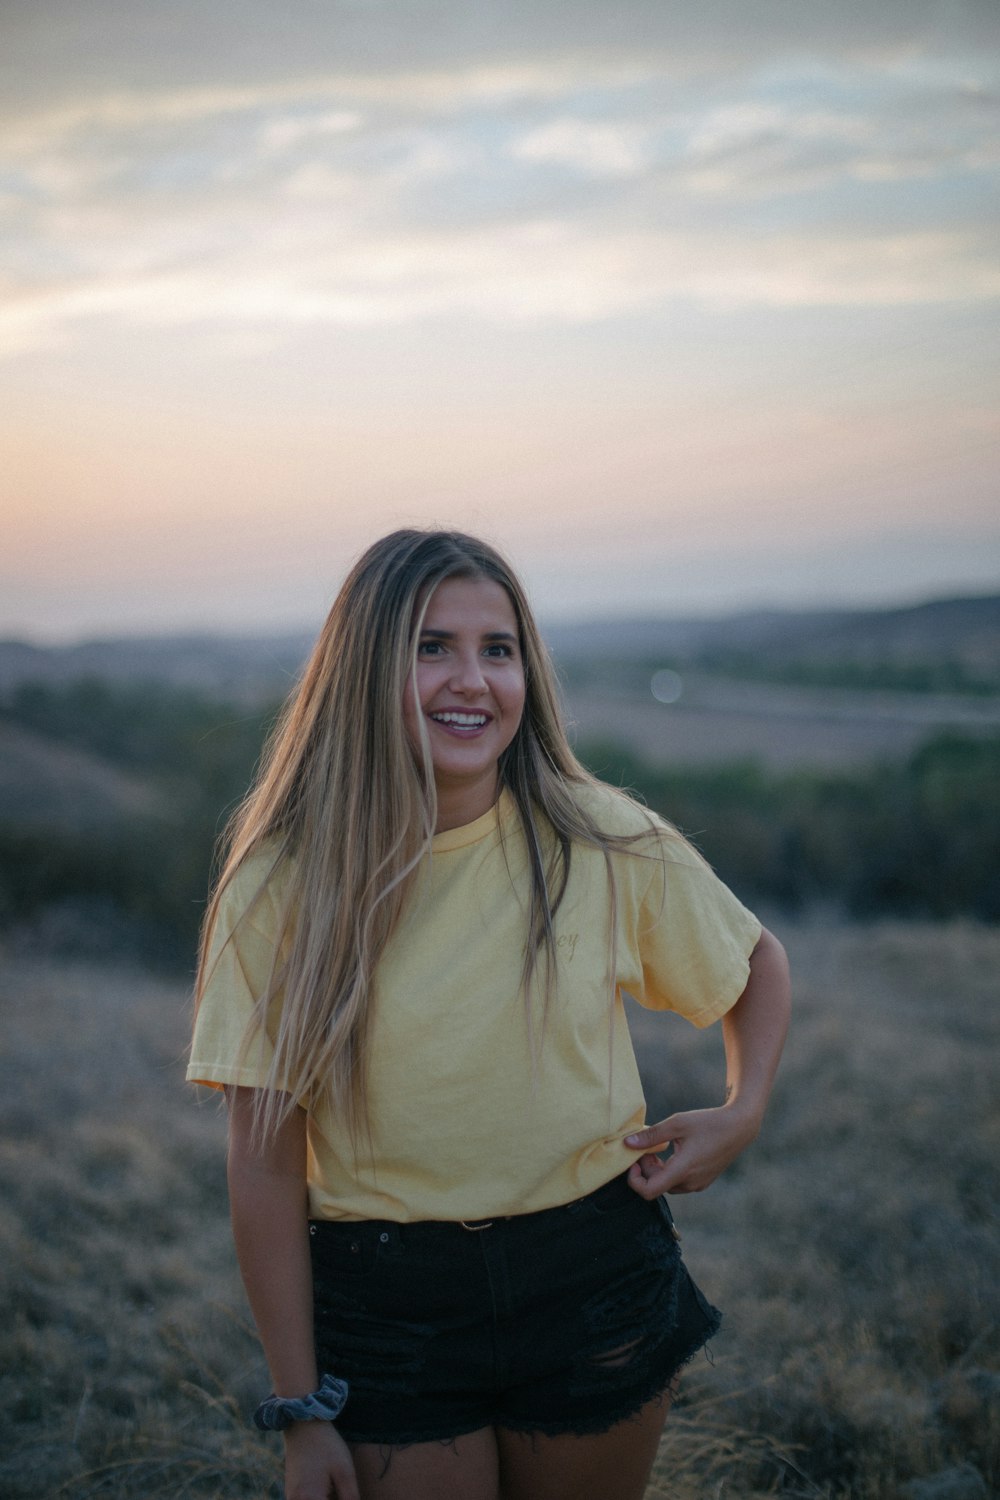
x,y
962,634
931,626
238,668
946,644
52,784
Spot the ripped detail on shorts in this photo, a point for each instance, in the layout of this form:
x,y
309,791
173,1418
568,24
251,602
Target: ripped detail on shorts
x,y
645,1326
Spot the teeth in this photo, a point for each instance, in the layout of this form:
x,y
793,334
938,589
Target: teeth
x,y
461,721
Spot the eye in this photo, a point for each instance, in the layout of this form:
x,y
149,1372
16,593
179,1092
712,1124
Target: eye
x,y
429,648
499,648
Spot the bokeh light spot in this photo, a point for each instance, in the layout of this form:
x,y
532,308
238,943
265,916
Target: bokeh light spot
x,y
666,685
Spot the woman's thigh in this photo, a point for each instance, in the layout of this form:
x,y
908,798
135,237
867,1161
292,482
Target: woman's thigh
x,y
505,1465
462,1468
612,1465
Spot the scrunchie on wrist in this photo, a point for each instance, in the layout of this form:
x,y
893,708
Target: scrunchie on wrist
x,y
324,1405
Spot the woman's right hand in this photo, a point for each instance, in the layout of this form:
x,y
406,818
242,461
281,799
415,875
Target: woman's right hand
x,y
318,1464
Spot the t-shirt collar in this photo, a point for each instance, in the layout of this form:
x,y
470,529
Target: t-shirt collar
x,y
481,828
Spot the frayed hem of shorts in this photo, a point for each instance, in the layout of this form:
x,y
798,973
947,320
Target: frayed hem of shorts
x,y
654,1390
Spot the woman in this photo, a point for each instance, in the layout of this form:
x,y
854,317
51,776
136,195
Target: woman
x,y
445,1202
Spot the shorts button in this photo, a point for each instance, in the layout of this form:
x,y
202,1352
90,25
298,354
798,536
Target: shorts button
x,y
384,1238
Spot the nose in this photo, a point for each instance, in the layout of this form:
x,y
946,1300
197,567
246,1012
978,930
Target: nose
x,y
467,676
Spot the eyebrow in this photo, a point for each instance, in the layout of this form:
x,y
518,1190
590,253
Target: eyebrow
x,y
488,635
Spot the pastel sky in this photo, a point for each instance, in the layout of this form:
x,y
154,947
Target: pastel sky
x,y
687,306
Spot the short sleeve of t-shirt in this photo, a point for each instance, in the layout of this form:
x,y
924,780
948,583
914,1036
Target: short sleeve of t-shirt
x,y
692,936
247,930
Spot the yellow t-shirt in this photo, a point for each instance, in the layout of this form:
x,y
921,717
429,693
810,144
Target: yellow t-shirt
x,y
466,1123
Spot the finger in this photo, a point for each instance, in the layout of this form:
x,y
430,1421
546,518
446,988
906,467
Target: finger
x,y
649,1177
345,1480
654,1135
638,1181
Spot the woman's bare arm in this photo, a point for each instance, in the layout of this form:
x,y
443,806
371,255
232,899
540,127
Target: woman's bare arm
x,y
705,1141
268,1205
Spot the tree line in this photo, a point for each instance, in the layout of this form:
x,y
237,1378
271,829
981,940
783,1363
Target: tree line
x,y
916,839
920,838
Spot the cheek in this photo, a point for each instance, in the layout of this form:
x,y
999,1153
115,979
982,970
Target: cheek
x,y
515,703
418,690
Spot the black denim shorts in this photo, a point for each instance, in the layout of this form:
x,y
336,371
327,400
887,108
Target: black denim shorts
x,y
563,1321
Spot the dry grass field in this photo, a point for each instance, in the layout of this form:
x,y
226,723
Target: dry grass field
x,y
854,1249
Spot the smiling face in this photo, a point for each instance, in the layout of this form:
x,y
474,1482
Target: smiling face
x,y
468,693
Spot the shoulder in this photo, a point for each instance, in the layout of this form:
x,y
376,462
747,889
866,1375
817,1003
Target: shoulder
x,y
650,857
619,816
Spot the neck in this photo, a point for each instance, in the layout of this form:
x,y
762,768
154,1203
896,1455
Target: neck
x,y
458,805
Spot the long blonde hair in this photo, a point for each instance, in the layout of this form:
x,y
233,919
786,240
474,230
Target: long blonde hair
x,y
348,806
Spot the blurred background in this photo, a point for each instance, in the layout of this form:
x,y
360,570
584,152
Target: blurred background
x,y
693,311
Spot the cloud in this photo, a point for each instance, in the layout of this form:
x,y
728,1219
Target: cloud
x,y
620,149
290,131
75,49
568,187
541,271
